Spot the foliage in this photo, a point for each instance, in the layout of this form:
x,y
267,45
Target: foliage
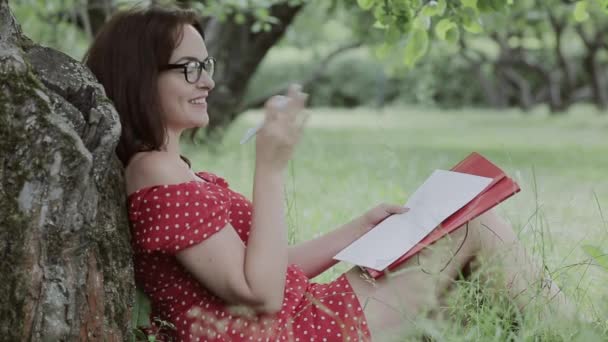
x,y
238,10
597,254
40,22
413,22
416,19
357,78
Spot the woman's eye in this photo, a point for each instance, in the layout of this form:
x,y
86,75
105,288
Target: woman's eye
x,y
191,67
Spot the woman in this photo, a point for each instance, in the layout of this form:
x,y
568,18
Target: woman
x,y
214,264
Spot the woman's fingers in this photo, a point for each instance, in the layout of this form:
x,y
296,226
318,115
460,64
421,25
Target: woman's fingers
x,y
294,90
394,208
274,105
288,111
299,98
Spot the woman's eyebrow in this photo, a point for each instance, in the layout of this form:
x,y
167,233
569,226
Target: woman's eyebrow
x,y
191,58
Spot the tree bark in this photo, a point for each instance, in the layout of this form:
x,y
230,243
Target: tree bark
x,y
66,259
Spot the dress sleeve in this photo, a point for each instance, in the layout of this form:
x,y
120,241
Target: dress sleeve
x,y
172,218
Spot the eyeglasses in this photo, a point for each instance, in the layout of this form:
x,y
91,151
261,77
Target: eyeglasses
x,y
193,69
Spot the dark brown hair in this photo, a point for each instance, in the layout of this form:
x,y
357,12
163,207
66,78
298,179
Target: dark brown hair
x,y
125,56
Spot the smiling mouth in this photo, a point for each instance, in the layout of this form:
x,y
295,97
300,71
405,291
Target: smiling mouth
x,y
198,101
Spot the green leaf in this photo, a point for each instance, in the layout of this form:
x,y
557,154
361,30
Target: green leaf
x,y
498,5
471,22
416,46
365,4
580,11
381,15
262,13
485,5
604,5
383,50
443,28
423,22
239,18
469,3
453,35
392,35
256,27
597,254
141,309
379,25
433,8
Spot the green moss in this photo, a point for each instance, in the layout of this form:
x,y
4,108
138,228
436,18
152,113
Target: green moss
x,y
16,90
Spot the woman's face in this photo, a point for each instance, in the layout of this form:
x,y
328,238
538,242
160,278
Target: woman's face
x,y
184,104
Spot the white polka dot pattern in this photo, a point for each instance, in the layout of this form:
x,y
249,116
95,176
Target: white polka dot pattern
x,y
168,218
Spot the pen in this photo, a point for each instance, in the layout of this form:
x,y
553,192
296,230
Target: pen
x,y
251,132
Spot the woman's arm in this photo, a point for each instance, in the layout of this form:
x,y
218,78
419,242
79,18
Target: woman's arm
x,y
252,276
266,262
316,256
256,275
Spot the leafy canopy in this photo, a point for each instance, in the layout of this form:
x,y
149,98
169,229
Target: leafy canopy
x,y
416,20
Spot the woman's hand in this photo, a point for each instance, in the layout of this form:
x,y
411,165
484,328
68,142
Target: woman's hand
x,y
377,214
282,129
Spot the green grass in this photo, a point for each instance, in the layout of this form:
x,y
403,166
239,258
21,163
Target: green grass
x,y
350,160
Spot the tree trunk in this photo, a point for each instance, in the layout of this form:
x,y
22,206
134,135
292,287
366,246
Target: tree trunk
x,y
66,259
594,44
491,88
521,86
97,13
239,52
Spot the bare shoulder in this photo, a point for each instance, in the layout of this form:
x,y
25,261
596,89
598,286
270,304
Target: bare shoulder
x,y
154,168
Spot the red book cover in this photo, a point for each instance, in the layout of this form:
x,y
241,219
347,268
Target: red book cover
x,y
501,188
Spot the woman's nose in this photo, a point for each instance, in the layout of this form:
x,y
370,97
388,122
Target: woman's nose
x,y
205,81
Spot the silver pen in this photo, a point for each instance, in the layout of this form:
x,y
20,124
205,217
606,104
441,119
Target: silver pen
x,y
251,132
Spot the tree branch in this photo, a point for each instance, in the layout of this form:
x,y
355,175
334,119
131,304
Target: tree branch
x,y
558,25
315,75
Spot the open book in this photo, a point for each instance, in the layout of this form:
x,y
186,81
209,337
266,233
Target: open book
x,y
445,201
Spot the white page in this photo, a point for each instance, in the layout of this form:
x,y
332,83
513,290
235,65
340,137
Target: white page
x,y
442,194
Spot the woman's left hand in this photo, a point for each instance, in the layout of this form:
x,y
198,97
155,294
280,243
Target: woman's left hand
x,y
377,214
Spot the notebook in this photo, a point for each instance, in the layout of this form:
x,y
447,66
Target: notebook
x,y
444,202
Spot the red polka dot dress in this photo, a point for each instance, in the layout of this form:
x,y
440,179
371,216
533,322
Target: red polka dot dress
x,y
166,219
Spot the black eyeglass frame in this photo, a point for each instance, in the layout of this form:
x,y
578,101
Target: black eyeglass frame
x,y
201,67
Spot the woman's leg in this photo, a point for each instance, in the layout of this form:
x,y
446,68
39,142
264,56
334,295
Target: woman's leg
x,y
419,284
523,276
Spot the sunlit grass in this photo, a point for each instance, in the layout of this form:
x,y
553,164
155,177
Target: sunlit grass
x,y
350,160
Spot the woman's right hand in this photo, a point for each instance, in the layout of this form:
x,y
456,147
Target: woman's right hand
x,y
282,128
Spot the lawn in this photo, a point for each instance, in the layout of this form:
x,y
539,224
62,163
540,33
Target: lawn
x,y
351,160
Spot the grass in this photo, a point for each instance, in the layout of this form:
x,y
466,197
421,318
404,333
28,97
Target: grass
x,y
350,160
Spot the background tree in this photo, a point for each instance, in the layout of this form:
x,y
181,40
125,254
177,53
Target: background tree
x,y
543,52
